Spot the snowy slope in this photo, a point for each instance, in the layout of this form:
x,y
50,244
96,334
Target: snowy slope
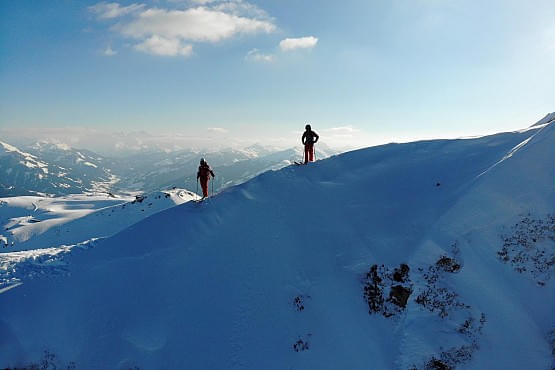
x,y
309,267
41,222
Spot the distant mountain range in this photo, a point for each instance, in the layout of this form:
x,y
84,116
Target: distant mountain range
x,y
50,169
54,169
155,171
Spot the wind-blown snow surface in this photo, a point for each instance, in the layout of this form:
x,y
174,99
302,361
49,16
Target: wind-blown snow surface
x,y
43,222
270,274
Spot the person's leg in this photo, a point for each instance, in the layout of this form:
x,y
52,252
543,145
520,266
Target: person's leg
x,y
204,185
311,152
306,153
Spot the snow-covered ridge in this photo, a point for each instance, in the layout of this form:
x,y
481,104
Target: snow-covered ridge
x,y
51,169
550,117
397,256
11,148
28,160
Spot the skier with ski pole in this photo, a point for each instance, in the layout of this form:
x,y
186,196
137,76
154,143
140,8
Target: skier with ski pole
x,y
203,174
309,139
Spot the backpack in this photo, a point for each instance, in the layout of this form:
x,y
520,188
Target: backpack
x,y
204,171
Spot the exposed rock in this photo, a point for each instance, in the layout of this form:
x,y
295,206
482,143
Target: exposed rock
x,y
435,364
299,302
302,344
528,248
448,264
401,273
381,282
399,295
436,296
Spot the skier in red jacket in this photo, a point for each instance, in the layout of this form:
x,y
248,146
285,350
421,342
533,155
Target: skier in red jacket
x,y
309,139
203,175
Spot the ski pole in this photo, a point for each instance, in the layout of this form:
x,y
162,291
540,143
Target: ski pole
x,y
197,188
212,186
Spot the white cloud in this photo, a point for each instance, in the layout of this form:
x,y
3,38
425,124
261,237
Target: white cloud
x,y
256,56
106,10
195,24
109,51
307,42
204,2
342,130
237,7
218,130
346,136
170,32
242,8
158,45
342,134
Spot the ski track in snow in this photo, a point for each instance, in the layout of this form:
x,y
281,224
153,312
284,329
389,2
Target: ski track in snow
x,y
18,267
513,150
62,219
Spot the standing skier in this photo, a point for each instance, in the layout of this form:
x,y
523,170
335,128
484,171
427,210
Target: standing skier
x,y
203,175
309,139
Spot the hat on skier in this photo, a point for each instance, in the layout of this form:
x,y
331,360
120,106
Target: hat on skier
x,y
202,161
307,127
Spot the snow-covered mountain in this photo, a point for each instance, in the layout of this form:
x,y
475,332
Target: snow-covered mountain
x,y
152,171
426,255
50,169
229,167
24,173
57,169
94,169
161,170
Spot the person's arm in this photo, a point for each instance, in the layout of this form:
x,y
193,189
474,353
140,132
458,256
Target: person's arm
x,y
303,139
212,172
316,136
198,173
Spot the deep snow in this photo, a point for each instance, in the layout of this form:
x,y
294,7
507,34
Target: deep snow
x,y
219,284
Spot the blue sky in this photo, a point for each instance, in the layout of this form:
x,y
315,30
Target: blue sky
x,y
361,71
